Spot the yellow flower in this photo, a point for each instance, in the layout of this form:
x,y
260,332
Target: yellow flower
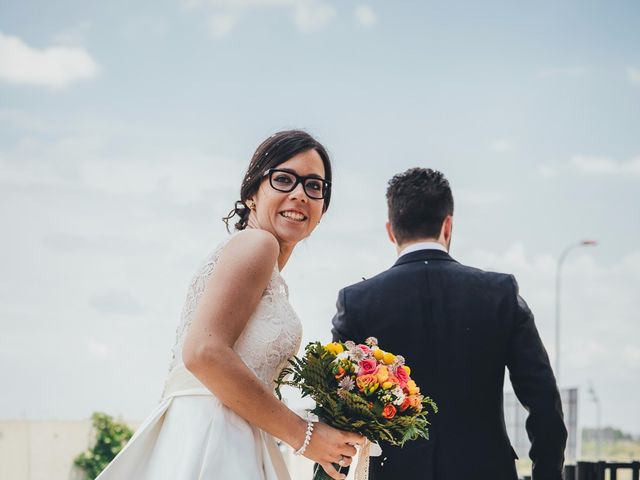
x,y
387,385
378,353
412,387
334,347
388,358
382,373
407,369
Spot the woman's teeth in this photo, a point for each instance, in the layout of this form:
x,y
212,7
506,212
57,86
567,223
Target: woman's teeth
x,y
293,216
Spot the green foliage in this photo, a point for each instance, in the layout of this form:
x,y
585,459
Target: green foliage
x,y
111,437
606,434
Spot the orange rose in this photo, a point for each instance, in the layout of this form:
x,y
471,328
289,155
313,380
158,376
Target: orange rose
x,y
367,383
393,379
389,411
415,402
340,374
406,403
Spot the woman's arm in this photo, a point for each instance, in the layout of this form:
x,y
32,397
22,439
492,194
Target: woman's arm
x,y
231,295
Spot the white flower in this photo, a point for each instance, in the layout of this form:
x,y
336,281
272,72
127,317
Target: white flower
x,y
400,361
357,354
342,356
347,383
399,394
387,398
349,344
371,341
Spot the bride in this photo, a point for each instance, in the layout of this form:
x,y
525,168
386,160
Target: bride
x,y
218,416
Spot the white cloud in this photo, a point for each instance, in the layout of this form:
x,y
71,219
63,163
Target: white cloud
x,y
307,15
220,25
97,349
502,145
72,36
605,165
21,120
149,26
365,16
571,72
57,66
634,75
311,16
632,355
547,171
80,160
478,197
598,317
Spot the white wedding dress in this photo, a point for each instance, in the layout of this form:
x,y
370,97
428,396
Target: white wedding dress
x,y
191,435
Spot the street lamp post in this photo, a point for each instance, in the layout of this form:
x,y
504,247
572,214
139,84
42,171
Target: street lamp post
x,y
595,400
563,255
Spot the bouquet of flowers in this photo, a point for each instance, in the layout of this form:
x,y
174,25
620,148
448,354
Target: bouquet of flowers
x,y
360,388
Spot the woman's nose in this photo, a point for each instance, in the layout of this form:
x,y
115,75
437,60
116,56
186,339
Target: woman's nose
x,y
299,193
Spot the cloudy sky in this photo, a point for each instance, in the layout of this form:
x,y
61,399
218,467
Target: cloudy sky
x,y
125,129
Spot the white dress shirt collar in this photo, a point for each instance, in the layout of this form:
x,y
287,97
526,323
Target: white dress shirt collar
x,y
414,247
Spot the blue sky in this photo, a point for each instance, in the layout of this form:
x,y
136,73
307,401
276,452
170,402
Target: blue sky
x,y
125,129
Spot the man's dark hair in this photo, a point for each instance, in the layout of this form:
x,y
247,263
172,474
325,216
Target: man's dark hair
x,y
419,200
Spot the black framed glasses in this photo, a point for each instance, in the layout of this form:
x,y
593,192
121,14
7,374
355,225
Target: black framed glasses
x,y
286,181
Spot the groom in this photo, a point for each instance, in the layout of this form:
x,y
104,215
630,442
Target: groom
x,y
458,327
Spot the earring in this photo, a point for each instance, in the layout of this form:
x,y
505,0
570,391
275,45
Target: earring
x,y
251,204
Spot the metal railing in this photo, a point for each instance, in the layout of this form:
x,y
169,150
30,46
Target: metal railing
x,y
598,470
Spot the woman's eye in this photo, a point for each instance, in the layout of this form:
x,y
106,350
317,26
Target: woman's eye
x,y
283,179
315,185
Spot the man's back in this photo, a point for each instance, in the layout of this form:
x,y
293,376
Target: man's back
x,y
458,327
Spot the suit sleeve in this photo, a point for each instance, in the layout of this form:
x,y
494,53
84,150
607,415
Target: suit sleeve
x,y
535,386
341,330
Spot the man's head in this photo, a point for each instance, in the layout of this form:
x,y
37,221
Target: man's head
x,y
420,207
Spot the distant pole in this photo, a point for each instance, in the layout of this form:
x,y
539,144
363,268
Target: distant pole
x,y
595,400
561,259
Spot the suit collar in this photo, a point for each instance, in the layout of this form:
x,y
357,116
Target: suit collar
x,y
423,255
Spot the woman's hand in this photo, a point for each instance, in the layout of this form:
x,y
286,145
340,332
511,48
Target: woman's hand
x,y
329,445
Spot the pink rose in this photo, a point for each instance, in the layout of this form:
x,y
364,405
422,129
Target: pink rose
x,y
367,367
402,376
365,349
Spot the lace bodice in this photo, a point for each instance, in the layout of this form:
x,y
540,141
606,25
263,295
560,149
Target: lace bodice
x,y
272,334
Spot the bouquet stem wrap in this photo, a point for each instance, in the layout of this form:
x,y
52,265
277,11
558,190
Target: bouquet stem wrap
x,y
368,450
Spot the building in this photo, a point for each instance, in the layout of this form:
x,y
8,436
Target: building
x,y
515,416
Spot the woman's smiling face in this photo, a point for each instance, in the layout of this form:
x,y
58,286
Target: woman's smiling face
x,y
291,216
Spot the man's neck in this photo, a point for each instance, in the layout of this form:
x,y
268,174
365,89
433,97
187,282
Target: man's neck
x,y
433,243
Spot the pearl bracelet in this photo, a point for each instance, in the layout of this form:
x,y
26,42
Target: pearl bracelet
x,y
307,438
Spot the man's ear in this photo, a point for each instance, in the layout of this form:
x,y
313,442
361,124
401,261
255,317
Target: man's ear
x,y
447,226
390,234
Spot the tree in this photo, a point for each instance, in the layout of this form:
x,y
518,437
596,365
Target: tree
x,y
111,437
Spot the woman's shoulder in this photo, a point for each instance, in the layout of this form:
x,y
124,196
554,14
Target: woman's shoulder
x,y
253,239
254,246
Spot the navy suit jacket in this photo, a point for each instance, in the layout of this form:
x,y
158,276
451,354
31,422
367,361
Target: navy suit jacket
x,y
458,327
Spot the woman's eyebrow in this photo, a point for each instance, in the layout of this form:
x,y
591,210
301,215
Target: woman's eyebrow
x,y
311,175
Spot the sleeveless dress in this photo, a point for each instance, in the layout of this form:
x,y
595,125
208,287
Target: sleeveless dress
x,y
191,434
